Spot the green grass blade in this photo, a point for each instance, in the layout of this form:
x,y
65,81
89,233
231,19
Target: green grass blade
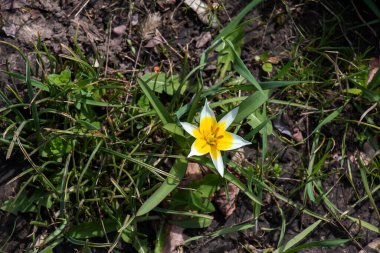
x,y
324,243
328,119
363,174
236,20
33,105
34,82
374,8
365,224
149,167
222,231
231,178
157,105
178,171
298,238
242,69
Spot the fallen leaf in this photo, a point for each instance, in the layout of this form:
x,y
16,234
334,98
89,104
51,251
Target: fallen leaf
x,y
174,239
297,135
227,203
374,65
274,59
135,20
374,247
283,128
193,172
203,39
119,30
165,3
156,40
204,12
10,30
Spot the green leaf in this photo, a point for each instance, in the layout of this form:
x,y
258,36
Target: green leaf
x,y
267,67
328,119
178,171
236,20
196,222
256,119
324,243
27,202
197,196
223,231
298,238
226,54
160,82
242,69
157,105
93,229
60,79
251,104
174,129
231,178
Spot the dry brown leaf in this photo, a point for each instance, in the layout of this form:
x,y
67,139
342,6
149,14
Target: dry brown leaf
x,y
193,173
297,135
203,39
227,203
174,239
165,3
135,20
274,59
156,40
119,30
374,65
374,247
204,12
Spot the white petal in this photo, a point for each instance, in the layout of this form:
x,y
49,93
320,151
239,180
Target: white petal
x,y
218,162
207,112
189,128
237,142
229,118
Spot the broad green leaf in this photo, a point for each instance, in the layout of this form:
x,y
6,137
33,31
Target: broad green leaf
x,y
267,67
196,222
27,202
354,91
178,171
93,229
60,79
160,82
197,195
365,224
256,119
251,104
174,129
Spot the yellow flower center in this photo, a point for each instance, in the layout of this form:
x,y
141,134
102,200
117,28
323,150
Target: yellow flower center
x,y
212,137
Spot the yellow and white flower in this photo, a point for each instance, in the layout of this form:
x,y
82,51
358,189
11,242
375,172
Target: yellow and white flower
x,y
211,136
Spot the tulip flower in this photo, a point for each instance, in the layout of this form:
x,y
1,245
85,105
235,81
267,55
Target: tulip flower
x,y
211,136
